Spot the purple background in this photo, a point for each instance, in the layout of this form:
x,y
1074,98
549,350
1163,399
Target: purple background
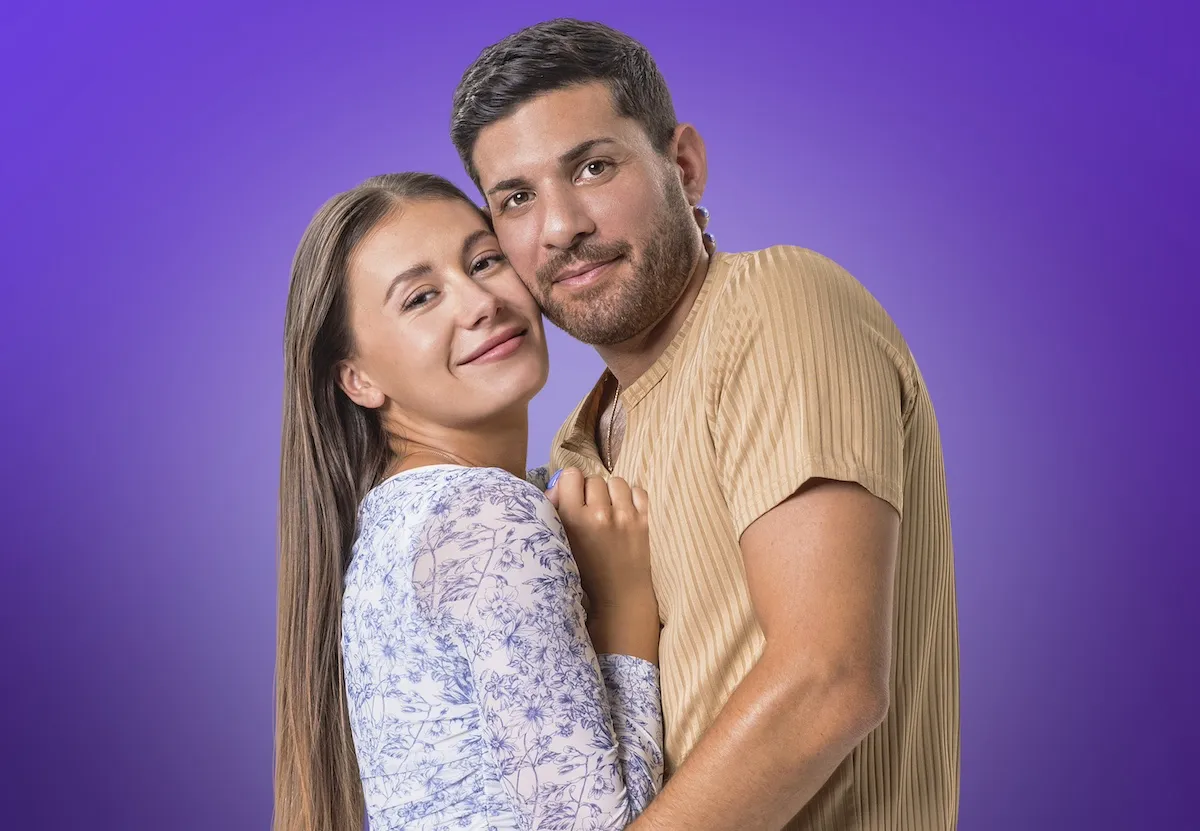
x,y
1019,186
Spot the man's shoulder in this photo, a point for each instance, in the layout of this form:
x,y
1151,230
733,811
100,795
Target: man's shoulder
x,y
798,298
788,268
791,283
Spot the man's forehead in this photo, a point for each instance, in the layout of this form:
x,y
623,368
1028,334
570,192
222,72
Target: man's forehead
x,y
538,132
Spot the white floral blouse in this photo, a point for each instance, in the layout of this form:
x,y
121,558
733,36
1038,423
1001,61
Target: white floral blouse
x,y
475,697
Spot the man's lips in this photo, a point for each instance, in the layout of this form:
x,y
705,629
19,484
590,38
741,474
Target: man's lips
x,y
500,345
583,274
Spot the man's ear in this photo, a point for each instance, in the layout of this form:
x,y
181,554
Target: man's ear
x,y
691,159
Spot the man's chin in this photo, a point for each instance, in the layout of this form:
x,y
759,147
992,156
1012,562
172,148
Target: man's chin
x,y
580,317
595,335
590,331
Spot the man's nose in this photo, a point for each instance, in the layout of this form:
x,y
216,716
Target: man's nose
x,y
564,221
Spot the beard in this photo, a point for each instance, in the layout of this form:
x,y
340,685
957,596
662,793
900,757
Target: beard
x,y
615,311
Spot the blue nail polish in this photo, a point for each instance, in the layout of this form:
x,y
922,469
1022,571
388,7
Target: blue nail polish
x,y
554,479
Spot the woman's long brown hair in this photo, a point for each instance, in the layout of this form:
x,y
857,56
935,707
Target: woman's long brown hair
x,y
333,453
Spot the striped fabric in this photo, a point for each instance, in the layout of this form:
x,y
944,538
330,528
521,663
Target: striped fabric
x,y
787,369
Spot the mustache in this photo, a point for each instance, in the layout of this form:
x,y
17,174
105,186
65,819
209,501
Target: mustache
x,y
584,252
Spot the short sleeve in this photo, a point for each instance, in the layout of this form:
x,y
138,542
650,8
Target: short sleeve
x,y
811,380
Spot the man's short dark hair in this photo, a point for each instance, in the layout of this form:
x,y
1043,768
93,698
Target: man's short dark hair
x,y
555,55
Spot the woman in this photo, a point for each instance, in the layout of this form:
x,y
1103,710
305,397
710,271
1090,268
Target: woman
x,y
433,658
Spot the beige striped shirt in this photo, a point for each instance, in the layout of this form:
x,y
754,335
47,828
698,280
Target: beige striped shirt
x,y
787,369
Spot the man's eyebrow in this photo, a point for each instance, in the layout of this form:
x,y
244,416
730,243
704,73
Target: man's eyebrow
x,y
582,149
508,184
573,155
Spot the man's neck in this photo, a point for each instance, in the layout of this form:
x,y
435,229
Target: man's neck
x,y
630,359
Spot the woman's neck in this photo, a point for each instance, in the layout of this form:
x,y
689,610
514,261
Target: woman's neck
x,y
502,442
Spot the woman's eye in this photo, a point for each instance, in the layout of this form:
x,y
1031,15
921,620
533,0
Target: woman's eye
x,y
419,299
484,263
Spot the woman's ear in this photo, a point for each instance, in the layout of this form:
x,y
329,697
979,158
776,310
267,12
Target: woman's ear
x,y
358,386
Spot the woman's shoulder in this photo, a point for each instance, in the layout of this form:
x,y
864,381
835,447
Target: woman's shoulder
x,y
414,513
440,491
423,508
460,480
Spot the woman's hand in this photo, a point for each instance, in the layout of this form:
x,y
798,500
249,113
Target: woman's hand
x,y
607,523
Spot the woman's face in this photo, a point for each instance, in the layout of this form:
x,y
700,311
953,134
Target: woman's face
x,y
446,335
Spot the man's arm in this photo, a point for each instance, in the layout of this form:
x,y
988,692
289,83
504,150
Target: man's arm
x,y
810,393
819,568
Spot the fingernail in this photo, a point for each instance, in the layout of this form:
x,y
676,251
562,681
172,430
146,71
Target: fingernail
x,y
554,479
703,211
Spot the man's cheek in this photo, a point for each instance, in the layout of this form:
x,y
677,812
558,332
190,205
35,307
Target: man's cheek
x,y
610,210
518,238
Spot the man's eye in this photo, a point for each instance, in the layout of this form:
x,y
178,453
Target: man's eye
x,y
518,199
595,168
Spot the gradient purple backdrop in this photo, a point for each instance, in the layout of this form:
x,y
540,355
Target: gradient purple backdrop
x,y
1019,186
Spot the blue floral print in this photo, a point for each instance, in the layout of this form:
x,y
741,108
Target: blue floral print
x,y
476,699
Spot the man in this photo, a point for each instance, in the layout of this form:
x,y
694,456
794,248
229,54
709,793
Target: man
x,y
800,533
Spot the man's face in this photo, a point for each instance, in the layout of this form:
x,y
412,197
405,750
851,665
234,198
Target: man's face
x,y
593,219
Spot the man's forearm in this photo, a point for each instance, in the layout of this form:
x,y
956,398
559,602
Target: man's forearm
x,y
776,742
